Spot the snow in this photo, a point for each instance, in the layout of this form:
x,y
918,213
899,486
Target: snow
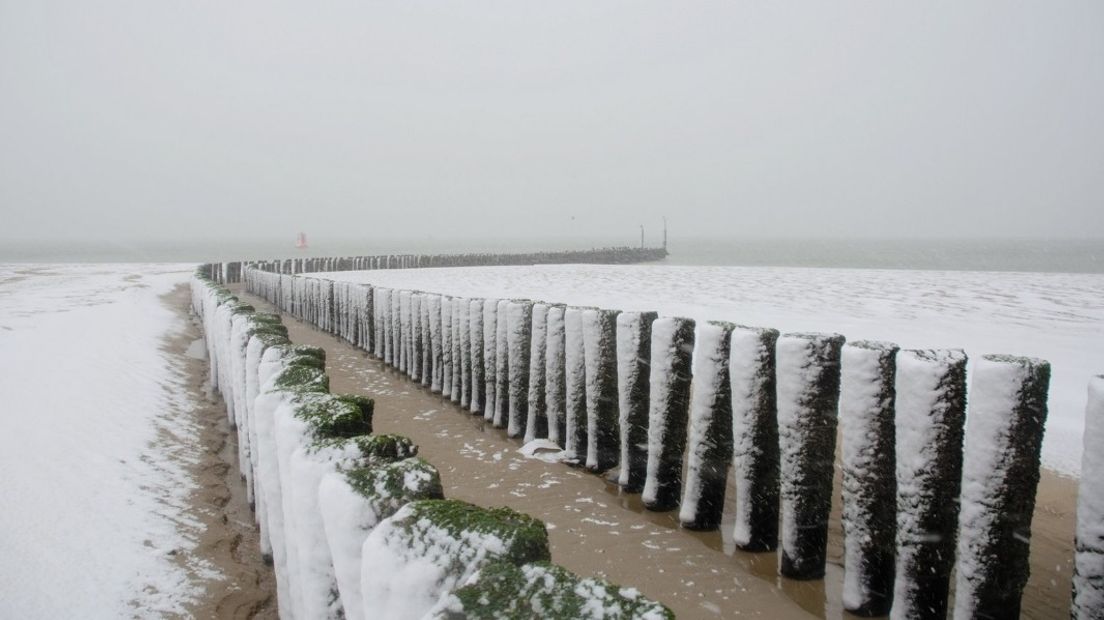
x,y
1057,317
94,497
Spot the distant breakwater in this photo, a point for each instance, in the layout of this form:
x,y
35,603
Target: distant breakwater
x,y
924,493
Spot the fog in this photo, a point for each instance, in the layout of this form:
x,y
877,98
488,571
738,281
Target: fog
x,y
186,119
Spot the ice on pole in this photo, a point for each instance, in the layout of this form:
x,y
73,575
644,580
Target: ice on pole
x,y
808,392
519,325
634,350
869,476
536,425
755,451
668,410
600,356
475,331
433,309
709,446
463,320
502,366
1088,567
575,422
930,405
490,363
555,392
1000,473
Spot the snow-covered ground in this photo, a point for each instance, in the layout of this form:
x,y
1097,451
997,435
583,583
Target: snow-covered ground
x,y
1055,316
92,489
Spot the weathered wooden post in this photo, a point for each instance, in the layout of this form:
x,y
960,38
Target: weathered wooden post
x,y
536,425
1088,567
808,394
710,436
519,325
930,408
457,352
463,320
869,470
634,351
427,342
502,366
554,389
415,363
446,347
1000,473
668,410
475,330
490,361
575,422
755,452
600,354
435,342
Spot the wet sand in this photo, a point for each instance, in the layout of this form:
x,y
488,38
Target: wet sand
x,y
596,530
244,587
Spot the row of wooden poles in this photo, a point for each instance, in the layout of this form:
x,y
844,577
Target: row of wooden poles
x,y
651,395
231,272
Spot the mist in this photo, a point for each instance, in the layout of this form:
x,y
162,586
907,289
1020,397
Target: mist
x,y
415,120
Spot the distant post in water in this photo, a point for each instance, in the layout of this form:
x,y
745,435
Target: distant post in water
x,y
710,434
755,452
808,392
930,408
634,350
869,482
1088,567
1004,433
668,409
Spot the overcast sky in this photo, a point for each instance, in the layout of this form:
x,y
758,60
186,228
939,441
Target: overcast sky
x,y
166,118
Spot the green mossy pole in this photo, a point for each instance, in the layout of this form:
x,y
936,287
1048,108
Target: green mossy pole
x,y
634,351
755,451
1000,474
869,475
709,445
668,410
808,395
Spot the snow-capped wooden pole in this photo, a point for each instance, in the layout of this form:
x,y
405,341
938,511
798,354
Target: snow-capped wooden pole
x,y
405,332
384,330
808,393
869,476
433,307
427,343
930,408
396,329
755,452
668,410
1088,566
575,422
463,307
475,331
415,363
600,354
457,352
490,363
446,347
555,393
1000,473
634,350
519,327
709,439
536,425
502,366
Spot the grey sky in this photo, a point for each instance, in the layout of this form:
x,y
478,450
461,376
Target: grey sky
x,y
163,118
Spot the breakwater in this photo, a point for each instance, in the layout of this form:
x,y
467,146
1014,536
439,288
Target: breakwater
x,y
355,523
771,406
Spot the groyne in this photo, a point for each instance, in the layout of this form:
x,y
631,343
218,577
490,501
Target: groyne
x,y
766,404
355,523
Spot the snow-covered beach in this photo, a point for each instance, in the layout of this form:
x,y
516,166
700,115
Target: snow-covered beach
x,y
103,450
1053,316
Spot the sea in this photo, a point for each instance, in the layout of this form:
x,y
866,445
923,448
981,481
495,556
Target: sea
x,y
1020,255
